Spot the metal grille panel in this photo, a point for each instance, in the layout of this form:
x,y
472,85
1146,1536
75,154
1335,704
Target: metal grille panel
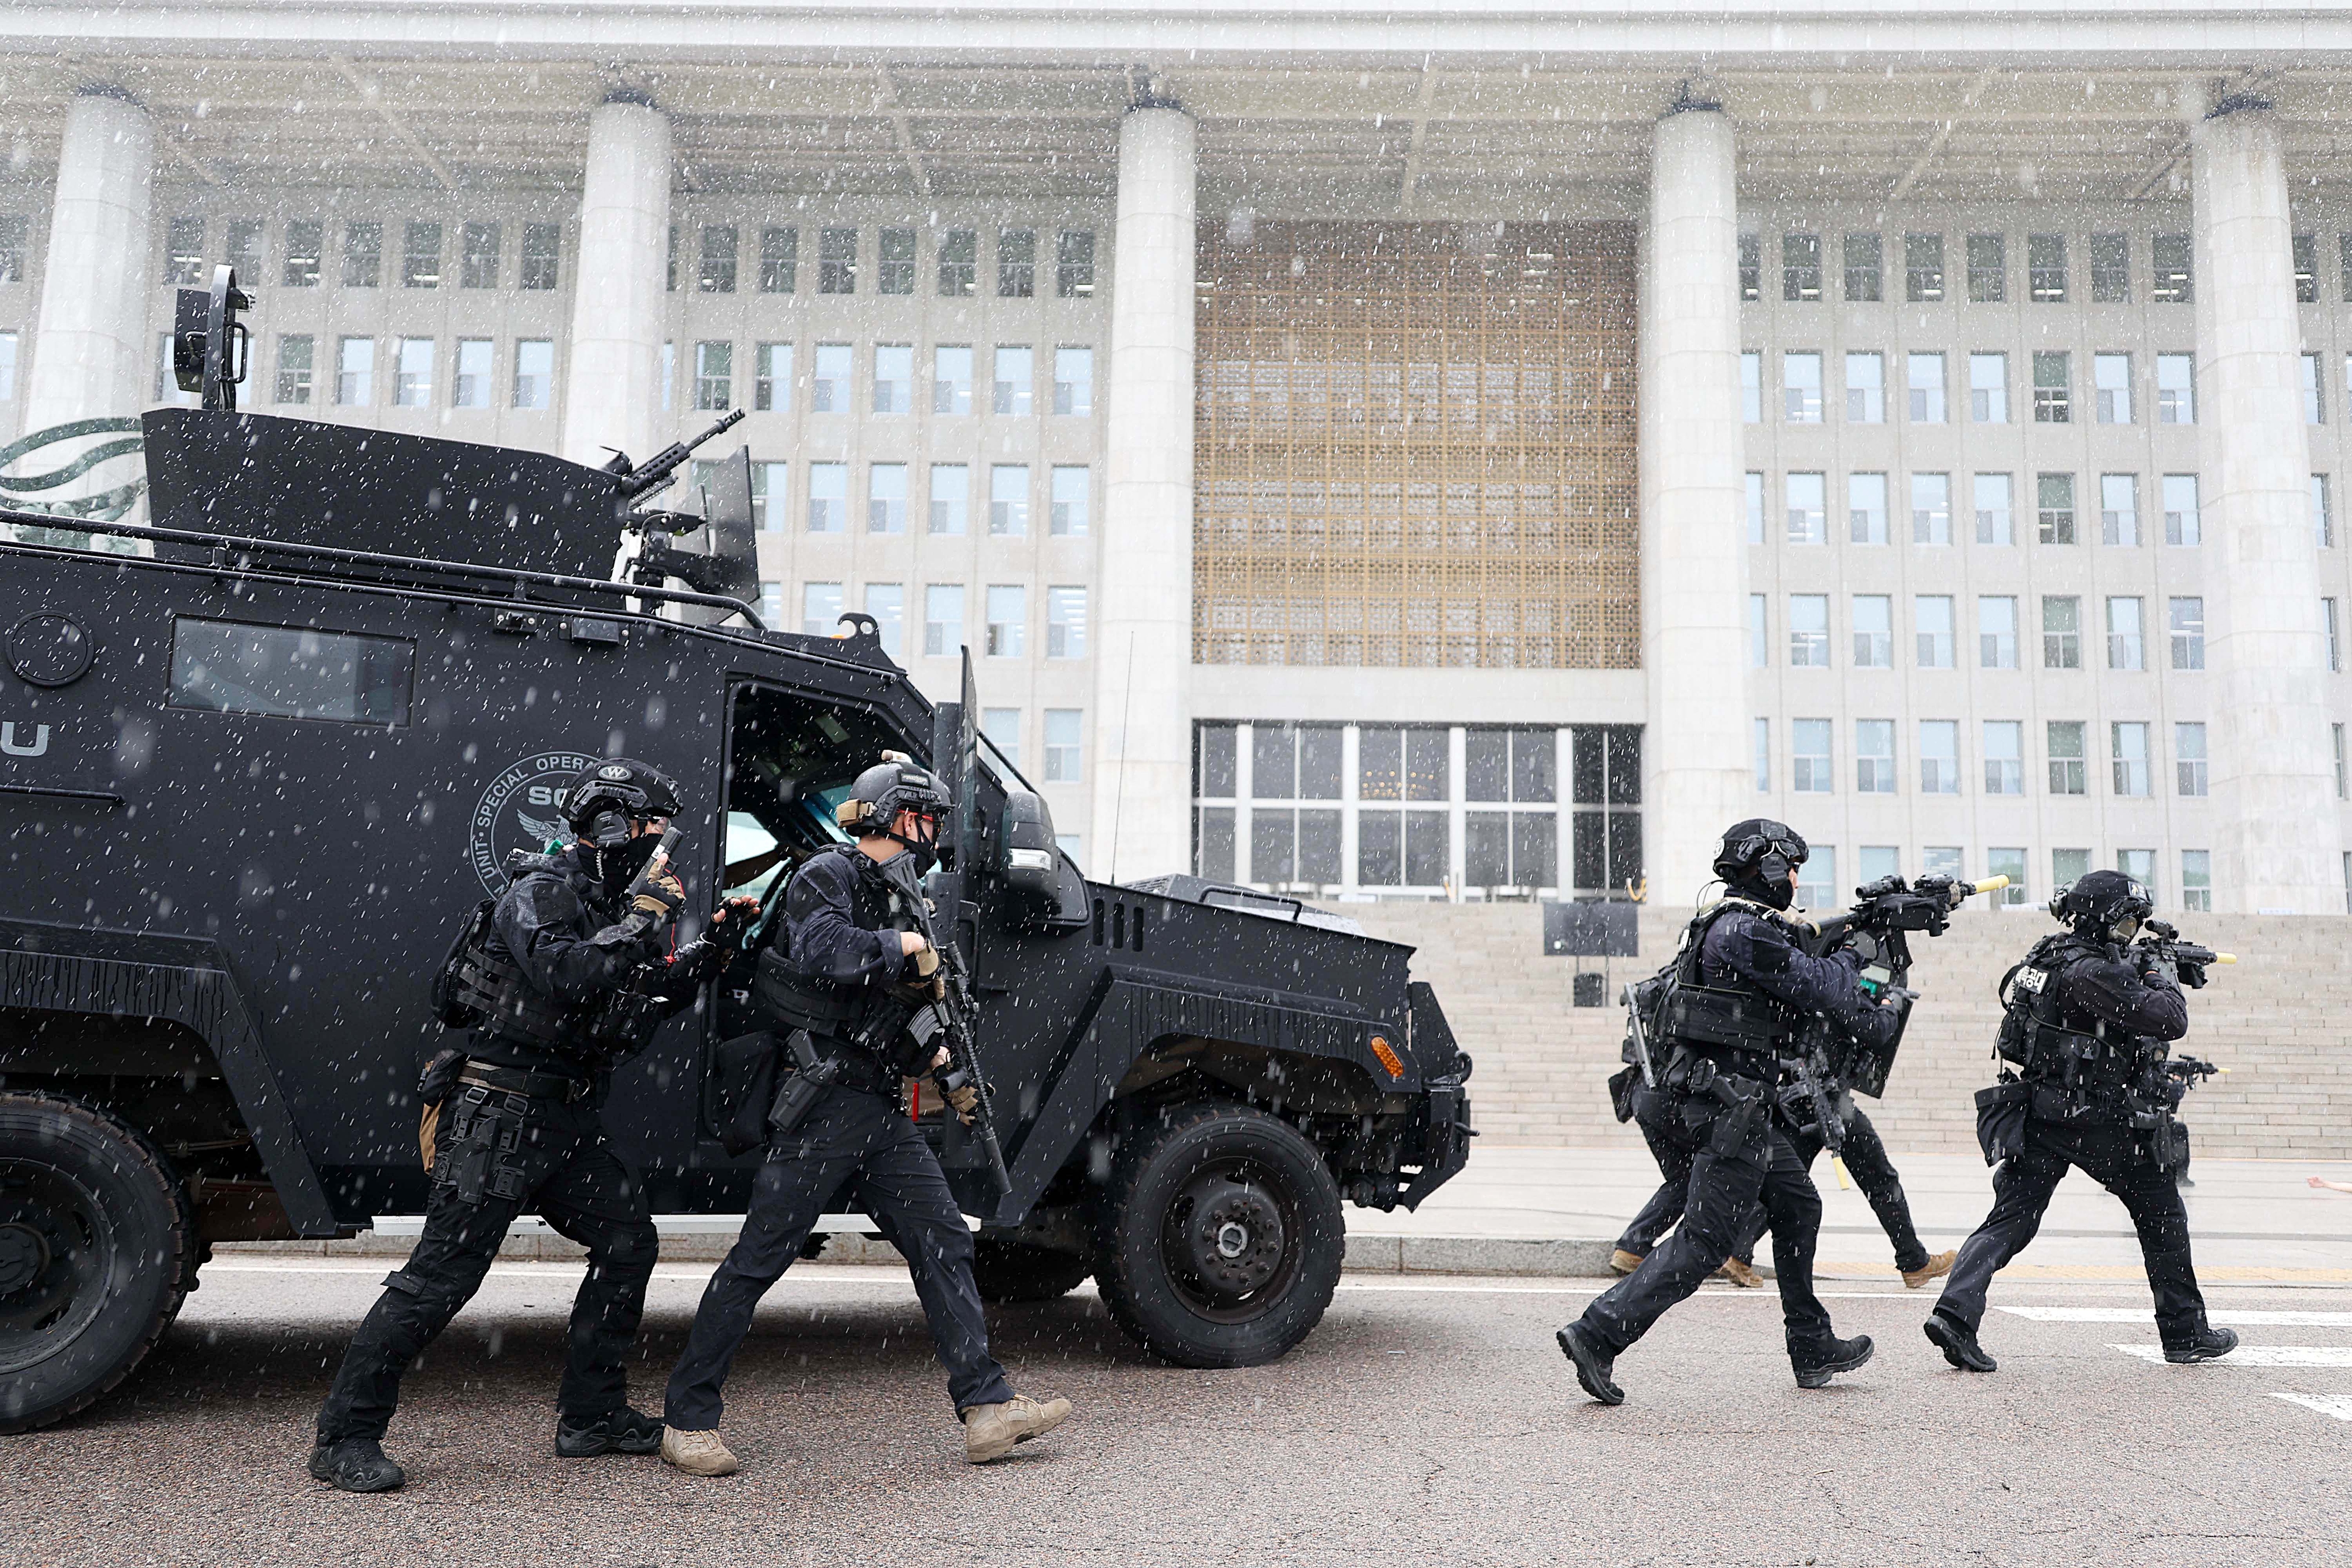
x,y
1415,445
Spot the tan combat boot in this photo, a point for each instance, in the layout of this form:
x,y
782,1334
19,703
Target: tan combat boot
x,y
1740,1274
1623,1263
697,1453
1935,1268
990,1430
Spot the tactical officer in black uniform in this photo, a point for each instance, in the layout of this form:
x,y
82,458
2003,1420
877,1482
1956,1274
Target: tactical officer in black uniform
x,y
1736,991
848,963
2089,1019
572,975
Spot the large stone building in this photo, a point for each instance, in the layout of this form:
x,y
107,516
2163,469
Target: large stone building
x,y
1413,453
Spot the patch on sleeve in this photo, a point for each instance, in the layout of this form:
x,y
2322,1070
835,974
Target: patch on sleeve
x,y
1767,946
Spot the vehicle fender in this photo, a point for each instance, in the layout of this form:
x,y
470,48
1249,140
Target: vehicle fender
x,y
188,980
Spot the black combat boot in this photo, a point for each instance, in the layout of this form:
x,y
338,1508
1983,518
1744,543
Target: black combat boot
x,y
1959,1344
624,1431
2206,1344
1844,1355
1592,1366
356,1464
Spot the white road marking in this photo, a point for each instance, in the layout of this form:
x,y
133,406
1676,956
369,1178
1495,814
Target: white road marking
x,y
2296,1320
2337,1405
2261,1355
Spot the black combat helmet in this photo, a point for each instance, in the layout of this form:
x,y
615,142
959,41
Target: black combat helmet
x,y
1755,859
891,786
2100,905
607,799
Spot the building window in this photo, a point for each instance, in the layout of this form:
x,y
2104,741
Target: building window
x,y
2111,384
714,375
2189,758
894,262
1873,755
2052,391
420,255
1074,381
2314,410
470,387
2327,624
1866,508
1065,758
243,252
1751,269
2335,733
2176,388
2119,509
836,261
2004,756
828,506
771,605
413,374
1066,622
2304,249
534,374
959,264
829,389
2196,881
304,245
355,372
1931,614
1923,268
1800,266
1511,768
1989,389
1809,631
2054,503
1756,508
1996,631
1073,501
2110,270
2068,867
1801,388
893,378
772,377
2187,619
1763,746
16,228
1751,387
1012,379
2011,863
1074,264
1817,883
1939,757
2129,744
1931,509
1002,727
950,497
2174,283
1760,645
716,272
478,256
779,260
2139,865
542,247
1008,621
1865,388
1924,374
942,619
2125,642
1807,506
669,263
362,255
2061,631
2045,268
1008,499
1992,506
294,360
2067,775
1809,759
1016,264
2323,516
1873,632
1988,269
771,493
886,498
950,380
820,608
2182,525
184,253
1863,268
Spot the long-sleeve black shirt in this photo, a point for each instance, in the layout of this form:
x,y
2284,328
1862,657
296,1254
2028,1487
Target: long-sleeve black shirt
x,y
839,921
1754,947
573,944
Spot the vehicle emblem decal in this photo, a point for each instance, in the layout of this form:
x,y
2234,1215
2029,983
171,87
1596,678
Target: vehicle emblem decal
x,y
522,809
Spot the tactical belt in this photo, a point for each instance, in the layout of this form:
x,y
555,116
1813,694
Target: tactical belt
x,y
524,1081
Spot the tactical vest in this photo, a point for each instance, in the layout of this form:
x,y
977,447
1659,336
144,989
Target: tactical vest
x,y
2046,1041
1733,1018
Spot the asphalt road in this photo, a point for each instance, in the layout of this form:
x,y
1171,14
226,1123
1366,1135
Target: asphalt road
x,y
1428,1421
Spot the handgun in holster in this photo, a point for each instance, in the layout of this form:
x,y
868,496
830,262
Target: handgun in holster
x,y
811,1076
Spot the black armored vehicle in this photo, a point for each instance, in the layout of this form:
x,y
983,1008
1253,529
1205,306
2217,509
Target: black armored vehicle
x,y
254,775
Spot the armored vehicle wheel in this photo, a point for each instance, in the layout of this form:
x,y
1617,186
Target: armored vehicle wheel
x,y
1219,1238
96,1234
1016,1272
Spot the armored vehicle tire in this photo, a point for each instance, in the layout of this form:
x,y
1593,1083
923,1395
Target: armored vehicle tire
x,y
1219,1237
96,1239
1016,1271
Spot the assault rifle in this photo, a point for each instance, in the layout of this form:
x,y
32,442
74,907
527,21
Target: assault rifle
x,y
956,1012
638,478
2186,960
1877,927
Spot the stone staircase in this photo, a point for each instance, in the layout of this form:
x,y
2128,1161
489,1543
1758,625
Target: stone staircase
x,y
2280,1021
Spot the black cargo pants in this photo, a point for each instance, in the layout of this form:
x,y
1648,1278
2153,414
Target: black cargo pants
x,y
1739,1156
864,1140
1664,1208
1865,1159
2104,1148
509,1155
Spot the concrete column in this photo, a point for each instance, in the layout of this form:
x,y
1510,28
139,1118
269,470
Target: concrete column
x,y
2277,839
1695,752
92,356
1143,658
620,296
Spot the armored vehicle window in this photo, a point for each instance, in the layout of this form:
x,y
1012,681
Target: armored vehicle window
x,y
291,673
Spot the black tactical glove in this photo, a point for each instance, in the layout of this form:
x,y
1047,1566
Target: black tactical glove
x,y
2189,975
662,897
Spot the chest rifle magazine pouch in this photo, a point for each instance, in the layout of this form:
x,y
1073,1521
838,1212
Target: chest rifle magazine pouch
x,y
2002,1110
